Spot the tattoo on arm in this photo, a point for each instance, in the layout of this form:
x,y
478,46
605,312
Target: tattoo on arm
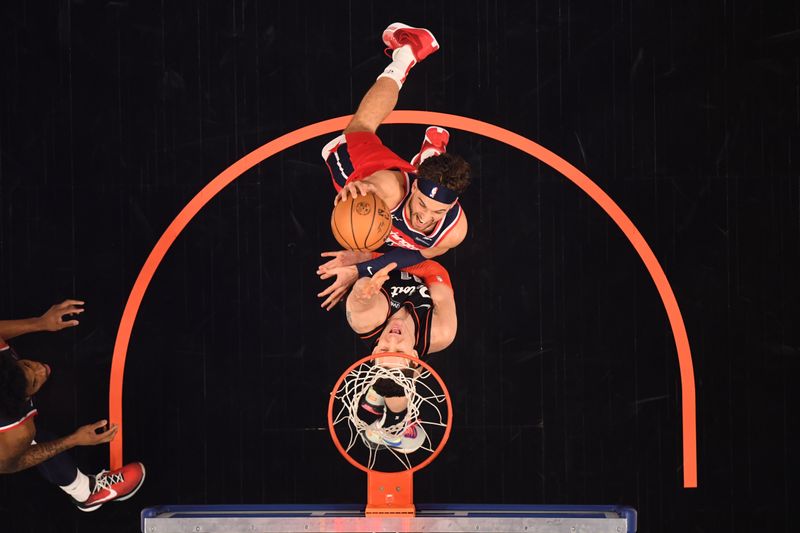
x,y
39,453
349,318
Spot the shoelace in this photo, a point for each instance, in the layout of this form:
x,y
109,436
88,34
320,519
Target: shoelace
x,y
104,480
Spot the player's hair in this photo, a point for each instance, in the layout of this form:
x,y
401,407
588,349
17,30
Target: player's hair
x,y
12,384
388,388
448,169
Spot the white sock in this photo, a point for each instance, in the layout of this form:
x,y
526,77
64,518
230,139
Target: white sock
x,y
78,489
402,61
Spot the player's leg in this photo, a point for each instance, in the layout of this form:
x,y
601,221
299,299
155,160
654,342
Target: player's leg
x,y
375,106
397,405
409,46
371,406
61,471
411,435
86,491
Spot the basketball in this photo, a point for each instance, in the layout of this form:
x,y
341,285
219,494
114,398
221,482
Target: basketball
x,y
361,223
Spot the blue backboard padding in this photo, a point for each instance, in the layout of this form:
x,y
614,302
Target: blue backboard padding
x,y
540,514
294,508
355,510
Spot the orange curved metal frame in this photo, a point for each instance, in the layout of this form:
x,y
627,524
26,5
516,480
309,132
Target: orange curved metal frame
x,y
688,411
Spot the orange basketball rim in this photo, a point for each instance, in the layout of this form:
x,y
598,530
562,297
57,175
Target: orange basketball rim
x,y
389,493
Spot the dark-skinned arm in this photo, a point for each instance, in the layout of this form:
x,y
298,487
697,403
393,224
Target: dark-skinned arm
x,y
36,454
51,320
17,453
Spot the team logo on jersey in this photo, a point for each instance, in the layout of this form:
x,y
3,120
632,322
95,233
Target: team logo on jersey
x,y
395,239
408,290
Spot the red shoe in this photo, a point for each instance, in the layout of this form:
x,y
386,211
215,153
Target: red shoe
x,y
434,143
117,485
421,41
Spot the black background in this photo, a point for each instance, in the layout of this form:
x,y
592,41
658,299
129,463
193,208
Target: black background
x,y
564,373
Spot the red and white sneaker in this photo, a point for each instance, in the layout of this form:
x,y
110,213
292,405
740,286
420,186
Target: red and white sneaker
x,y
421,41
117,485
434,143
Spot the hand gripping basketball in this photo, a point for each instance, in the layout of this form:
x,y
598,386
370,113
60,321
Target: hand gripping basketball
x,y
361,222
354,189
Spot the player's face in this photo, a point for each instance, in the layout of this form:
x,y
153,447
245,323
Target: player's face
x,y
424,213
36,374
397,336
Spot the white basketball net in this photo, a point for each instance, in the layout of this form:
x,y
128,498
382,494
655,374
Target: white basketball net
x,y
357,383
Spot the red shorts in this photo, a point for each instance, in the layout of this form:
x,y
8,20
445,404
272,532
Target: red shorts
x,y
429,271
355,156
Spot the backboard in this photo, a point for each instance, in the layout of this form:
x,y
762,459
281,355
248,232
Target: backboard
x,y
351,518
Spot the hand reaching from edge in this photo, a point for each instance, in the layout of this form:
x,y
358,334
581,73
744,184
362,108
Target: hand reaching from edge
x,y
343,258
366,288
87,435
53,318
345,277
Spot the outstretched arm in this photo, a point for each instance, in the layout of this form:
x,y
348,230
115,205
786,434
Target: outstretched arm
x,y
51,320
17,453
348,266
366,307
406,258
399,256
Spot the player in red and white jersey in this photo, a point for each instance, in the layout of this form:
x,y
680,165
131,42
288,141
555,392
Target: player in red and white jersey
x,y
423,196
23,444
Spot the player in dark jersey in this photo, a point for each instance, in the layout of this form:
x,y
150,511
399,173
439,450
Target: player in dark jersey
x,y
423,196
23,445
413,312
